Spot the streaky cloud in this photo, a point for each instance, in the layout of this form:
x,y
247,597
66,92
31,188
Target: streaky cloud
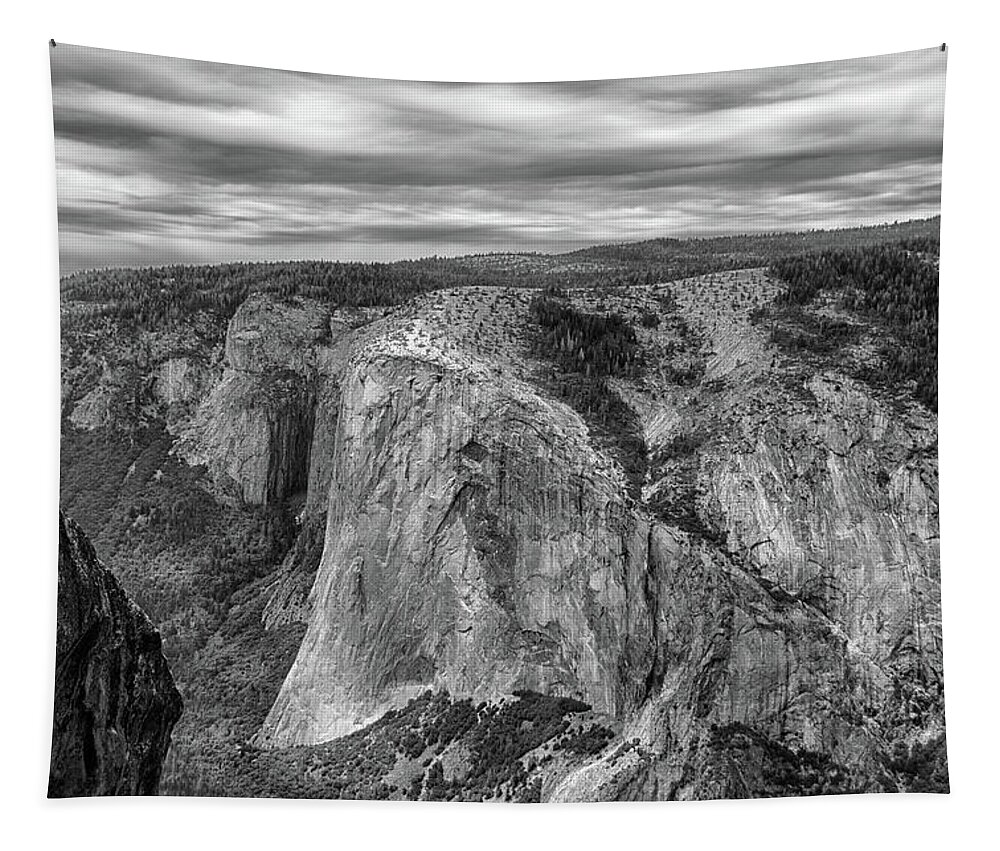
x,y
161,158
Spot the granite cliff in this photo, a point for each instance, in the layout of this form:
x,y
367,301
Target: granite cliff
x,y
254,428
482,539
466,548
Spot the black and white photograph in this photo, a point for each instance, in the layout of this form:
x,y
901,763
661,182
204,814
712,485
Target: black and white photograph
x,y
498,442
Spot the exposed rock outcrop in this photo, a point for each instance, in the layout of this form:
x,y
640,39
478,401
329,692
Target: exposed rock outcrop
x,y
255,428
93,411
266,429
466,548
115,700
181,381
289,595
477,541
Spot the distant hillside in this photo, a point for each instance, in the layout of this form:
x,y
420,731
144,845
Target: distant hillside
x,y
763,248
156,297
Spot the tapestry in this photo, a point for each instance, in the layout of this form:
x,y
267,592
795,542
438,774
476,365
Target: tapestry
x,y
500,442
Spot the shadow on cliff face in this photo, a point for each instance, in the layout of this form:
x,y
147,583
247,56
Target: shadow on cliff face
x,y
115,700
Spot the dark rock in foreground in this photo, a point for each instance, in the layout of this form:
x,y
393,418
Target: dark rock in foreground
x,y
115,700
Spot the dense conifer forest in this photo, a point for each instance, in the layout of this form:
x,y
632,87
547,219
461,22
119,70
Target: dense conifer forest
x,y
587,349
894,285
593,344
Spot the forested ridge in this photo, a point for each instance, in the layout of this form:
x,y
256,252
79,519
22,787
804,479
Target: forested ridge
x,y
748,250
156,297
895,285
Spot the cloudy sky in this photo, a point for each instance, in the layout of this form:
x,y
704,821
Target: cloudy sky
x,y
165,160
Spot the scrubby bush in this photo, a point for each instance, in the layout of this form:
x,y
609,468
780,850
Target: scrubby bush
x,y
496,736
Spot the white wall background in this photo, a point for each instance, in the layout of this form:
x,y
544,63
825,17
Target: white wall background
x,y
512,40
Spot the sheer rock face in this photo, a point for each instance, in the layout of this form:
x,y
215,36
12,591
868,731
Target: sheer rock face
x,y
817,609
255,428
838,499
331,363
115,700
476,540
734,651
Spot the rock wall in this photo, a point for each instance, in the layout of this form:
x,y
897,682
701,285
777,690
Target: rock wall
x,y
733,650
179,380
255,428
475,542
838,500
115,701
